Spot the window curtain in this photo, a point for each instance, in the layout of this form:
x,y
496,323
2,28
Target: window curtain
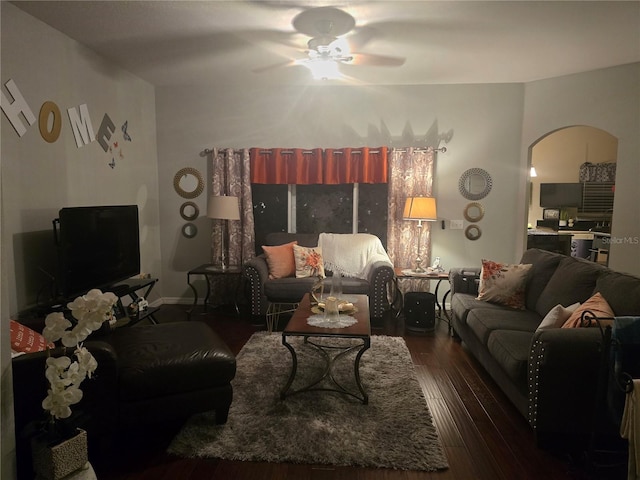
x,y
286,166
410,174
355,165
329,167
230,176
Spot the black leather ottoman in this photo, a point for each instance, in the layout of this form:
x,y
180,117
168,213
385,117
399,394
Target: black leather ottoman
x,y
169,371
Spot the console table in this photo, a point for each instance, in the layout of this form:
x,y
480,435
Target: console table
x,y
130,288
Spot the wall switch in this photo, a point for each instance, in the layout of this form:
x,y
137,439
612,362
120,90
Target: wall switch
x,y
456,224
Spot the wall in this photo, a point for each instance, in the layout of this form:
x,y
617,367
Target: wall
x,y
607,99
39,178
482,123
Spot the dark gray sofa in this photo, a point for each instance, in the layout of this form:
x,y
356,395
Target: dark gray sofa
x,y
285,290
549,375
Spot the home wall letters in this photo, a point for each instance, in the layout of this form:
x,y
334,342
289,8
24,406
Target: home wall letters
x,y
50,122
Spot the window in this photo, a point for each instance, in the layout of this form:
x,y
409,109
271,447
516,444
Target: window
x,y
320,208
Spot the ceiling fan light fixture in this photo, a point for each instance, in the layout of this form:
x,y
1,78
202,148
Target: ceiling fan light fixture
x,y
323,68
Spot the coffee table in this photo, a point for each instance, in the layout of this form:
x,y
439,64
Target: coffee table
x,y
360,331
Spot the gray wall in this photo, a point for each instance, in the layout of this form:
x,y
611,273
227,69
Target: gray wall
x,y
608,99
488,126
39,178
482,121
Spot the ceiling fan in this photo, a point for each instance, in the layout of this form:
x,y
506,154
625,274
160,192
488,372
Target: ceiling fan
x,y
334,41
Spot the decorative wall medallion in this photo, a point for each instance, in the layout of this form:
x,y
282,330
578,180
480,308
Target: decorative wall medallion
x,y
189,230
188,182
189,211
475,184
474,212
473,232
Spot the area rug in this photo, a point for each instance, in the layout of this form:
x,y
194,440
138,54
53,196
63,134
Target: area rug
x,y
394,430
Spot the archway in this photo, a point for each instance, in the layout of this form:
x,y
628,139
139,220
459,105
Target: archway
x,y
557,157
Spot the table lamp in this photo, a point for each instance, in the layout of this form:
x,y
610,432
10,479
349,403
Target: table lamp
x,y
420,209
223,208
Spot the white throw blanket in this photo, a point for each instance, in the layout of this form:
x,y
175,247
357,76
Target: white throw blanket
x,y
351,254
630,429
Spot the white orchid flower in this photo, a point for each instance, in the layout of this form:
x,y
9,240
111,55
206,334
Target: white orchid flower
x,y
63,374
55,325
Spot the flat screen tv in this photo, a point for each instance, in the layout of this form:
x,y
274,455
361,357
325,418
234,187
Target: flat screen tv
x,y
97,247
559,195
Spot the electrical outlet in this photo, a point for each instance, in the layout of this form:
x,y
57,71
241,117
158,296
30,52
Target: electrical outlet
x,y
456,224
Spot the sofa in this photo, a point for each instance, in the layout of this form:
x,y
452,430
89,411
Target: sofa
x,y
263,290
147,375
550,373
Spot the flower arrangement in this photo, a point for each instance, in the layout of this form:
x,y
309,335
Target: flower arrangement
x,y
65,373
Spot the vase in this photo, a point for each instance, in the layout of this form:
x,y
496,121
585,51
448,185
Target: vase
x,y
53,462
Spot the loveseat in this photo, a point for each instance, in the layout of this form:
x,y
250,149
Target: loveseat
x,y
147,375
548,372
377,274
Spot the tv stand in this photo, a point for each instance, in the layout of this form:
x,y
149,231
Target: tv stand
x,y
130,288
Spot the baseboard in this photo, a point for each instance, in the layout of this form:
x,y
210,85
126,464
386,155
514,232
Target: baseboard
x,y
174,301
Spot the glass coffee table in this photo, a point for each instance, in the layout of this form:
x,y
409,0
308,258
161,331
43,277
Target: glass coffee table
x,y
328,341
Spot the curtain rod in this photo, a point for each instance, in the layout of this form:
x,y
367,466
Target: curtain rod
x,y
207,151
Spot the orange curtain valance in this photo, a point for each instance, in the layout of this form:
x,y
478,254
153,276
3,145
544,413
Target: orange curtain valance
x,y
331,166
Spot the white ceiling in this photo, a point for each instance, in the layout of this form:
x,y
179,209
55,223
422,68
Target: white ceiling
x,y
224,42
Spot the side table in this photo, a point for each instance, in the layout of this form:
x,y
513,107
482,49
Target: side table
x,y
209,270
406,274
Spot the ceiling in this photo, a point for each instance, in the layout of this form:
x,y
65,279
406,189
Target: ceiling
x,y
239,42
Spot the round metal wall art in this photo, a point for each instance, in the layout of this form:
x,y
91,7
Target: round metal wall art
x,y
179,178
189,211
475,184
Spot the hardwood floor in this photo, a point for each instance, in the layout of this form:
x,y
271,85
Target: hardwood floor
x,y
484,436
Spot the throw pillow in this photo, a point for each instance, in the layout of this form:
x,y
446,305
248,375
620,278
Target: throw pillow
x,y
557,316
24,339
309,261
280,260
596,305
504,283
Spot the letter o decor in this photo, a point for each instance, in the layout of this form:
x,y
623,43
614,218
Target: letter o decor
x,y
182,182
49,109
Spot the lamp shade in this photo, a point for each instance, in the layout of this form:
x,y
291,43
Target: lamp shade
x,y
420,208
223,207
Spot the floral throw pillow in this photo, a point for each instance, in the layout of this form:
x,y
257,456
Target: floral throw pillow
x,y
309,261
504,283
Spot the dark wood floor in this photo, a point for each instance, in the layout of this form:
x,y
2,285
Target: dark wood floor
x,y
484,436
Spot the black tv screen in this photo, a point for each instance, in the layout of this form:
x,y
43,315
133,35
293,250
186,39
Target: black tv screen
x,y
558,195
98,247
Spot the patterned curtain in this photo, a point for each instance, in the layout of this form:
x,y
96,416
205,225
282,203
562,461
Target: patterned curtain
x,y
410,174
230,176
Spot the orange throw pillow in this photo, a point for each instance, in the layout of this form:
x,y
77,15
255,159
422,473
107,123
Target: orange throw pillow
x,y
280,260
596,305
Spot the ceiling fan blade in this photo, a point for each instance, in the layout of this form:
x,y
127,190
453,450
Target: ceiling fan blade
x,y
375,60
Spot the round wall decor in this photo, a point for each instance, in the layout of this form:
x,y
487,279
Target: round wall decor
x,y
189,211
188,182
475,184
